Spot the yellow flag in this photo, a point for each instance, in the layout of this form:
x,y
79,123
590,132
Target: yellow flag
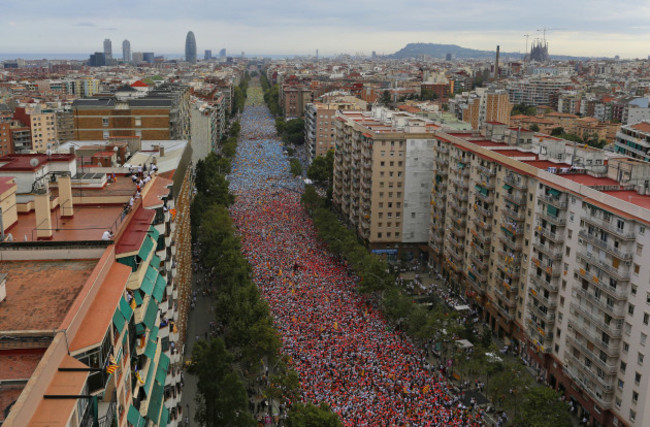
x,y
336,325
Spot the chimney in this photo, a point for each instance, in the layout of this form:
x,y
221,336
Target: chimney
x,y
65,196
161,150
43,215
496,65
3,287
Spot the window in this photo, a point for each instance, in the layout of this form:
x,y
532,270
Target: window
x,y
639,249
623,366
635,396
646,318
632,415
630,309
643,339
640,358
621,384
626,347
105,121
628,328
637,268
379,235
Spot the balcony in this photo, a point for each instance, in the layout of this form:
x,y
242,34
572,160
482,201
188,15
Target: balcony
x,y
616,311
481,277
482,237
482,224
538,310
517,216
514,198
508,269
483,251
611,228
511,230
506,297
442,148
622,273
573,366
456,243
485,198
556,201
584,349
555,220
481,265
555,237
596,241
441,162
619,292
548,268
461,183
613,329
459,232
514,245
457,258
539,281
554,254
518,183
483,211
514,258
596,338
485,171
457,207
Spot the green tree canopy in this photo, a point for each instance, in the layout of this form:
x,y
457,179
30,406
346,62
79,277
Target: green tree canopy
x,y
321,169
385,98
295,167
542,407
310,415
222,399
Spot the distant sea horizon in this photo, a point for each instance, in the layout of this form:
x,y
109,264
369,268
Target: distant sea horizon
x,y
85,56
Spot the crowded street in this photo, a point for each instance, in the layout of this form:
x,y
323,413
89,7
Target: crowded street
x,y
344,351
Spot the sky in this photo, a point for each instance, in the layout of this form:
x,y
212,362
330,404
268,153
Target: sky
x,y
291,27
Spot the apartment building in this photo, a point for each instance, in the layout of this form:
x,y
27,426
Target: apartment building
x,y
546,239
634,141
159,114
382,178
482,106
78,302
320,122
293,99
6,141
42,123
208,125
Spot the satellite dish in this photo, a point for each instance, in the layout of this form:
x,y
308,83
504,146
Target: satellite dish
x,y
33,162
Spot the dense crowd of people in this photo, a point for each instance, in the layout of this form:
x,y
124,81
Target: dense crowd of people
x,y
343,349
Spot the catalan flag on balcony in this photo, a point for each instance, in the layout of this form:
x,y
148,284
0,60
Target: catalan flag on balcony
x,y
111,365
138,377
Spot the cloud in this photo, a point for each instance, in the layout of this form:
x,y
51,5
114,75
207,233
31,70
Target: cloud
x,y
86,24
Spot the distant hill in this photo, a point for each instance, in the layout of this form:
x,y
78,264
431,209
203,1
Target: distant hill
x,y
434,50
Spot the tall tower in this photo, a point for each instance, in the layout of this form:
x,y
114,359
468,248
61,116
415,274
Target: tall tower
x,y
108,48
190,48
126,51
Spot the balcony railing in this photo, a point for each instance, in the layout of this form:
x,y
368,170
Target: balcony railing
x,y
609,227
555,201
613,329
553,253
622,273
519,184
619,292
596,241
584,349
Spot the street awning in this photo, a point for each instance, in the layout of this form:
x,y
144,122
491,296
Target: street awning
x,y
151,314
145,249
118,320
163,365
507,187
159,288
125,309
155,403
150,278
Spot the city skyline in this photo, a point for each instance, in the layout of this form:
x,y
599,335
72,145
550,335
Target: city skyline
x,y
288,28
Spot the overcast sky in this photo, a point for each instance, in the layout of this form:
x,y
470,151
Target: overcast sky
x,y
579,27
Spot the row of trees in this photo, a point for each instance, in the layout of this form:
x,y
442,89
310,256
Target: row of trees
x,y
239,95
591,140
271,95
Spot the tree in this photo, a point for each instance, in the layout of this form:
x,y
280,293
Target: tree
x,y
310,198
222,398
295,132
321,169
280,125
526,110
309,415
557,131
295,167
534,127
385,98
542,407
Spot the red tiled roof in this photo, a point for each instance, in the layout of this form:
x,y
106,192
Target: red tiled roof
x,y
100,314
139,83
592,180
134,235
643,127
631,197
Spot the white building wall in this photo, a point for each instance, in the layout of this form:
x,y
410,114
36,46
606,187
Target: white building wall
x,y
417,189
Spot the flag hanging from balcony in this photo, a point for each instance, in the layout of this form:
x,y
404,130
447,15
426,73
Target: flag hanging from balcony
x,y
138,377
111,365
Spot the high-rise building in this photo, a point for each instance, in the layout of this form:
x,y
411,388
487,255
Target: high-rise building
x,y
126,51
222,53
148,57
208,54
108,49
190,48
97,59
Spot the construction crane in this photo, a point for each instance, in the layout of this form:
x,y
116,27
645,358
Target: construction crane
x,y
543,30
527,37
